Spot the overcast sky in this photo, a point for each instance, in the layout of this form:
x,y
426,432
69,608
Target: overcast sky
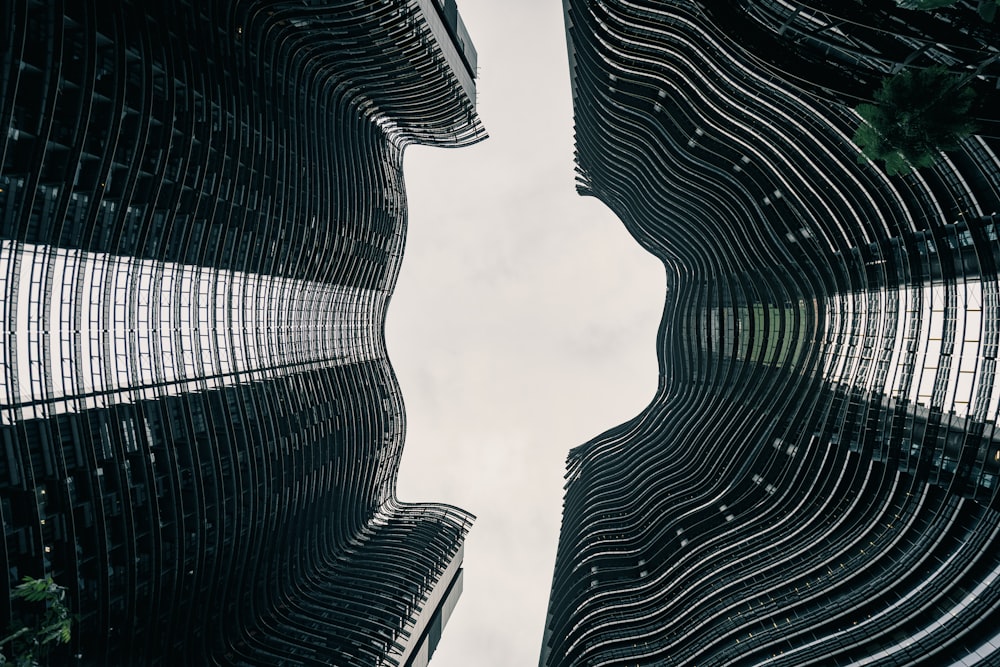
x,y
523,324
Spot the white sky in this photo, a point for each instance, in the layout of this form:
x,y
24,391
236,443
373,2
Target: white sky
x,y
523,324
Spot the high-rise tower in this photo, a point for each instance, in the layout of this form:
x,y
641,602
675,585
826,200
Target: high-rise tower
x,y
202,215
815,481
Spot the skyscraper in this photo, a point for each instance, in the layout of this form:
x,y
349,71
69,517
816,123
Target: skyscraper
x,y
815,481
203,213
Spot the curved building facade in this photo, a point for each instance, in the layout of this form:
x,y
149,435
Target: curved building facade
x,y
815,481
202,214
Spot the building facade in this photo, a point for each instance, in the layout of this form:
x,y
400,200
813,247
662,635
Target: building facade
x,y
815,481
202,215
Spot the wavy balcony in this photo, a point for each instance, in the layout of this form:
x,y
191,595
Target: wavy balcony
x,y
815,481
202,215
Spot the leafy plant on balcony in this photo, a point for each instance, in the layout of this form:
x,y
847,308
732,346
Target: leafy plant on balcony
x,y
917,114
51,626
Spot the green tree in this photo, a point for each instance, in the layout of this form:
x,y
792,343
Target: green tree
x,y
917,113
988,9
52,626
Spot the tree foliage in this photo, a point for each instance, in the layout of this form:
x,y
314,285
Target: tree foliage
x,y
53,625
988,9
917,113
